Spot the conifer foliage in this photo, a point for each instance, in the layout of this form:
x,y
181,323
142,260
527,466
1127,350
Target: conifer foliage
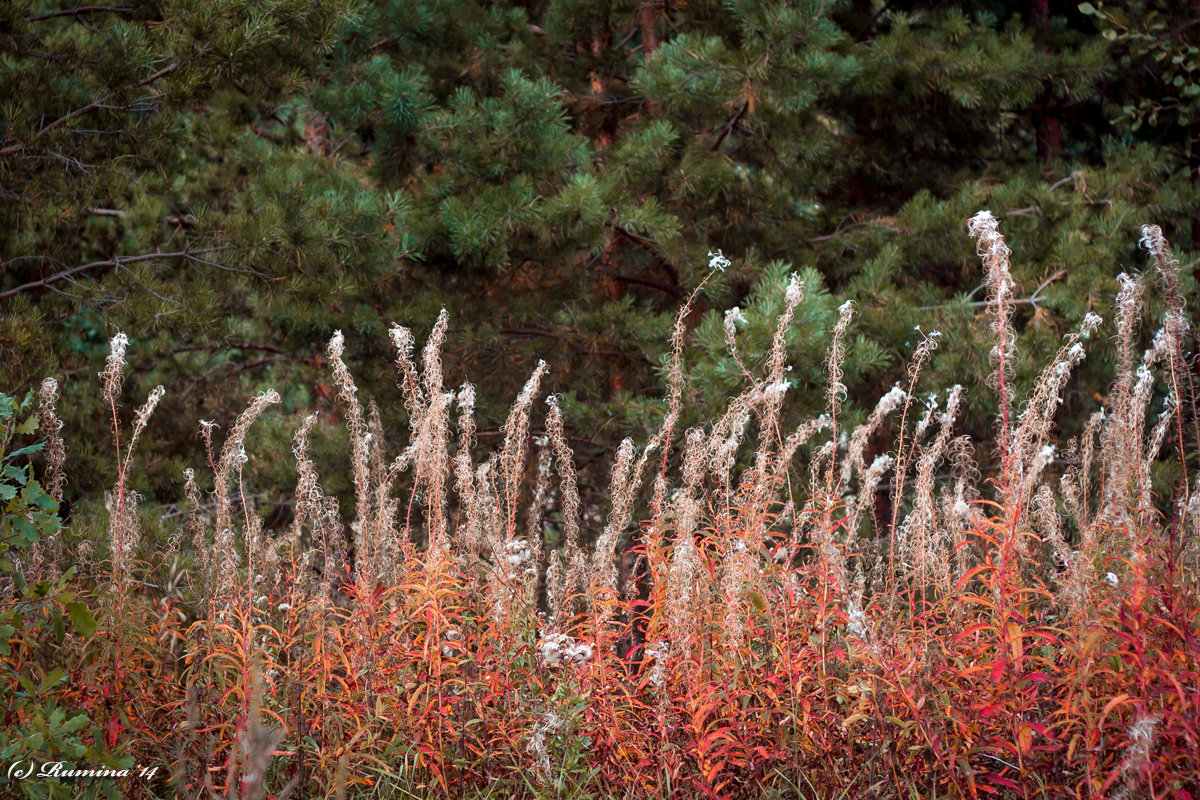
x,y
232,182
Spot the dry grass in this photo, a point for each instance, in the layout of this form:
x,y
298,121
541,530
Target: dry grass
x,y
1035,637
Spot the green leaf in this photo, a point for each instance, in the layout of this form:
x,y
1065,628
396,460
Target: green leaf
x,y
35,495
24,451
52,679
82,618
7,492
58,626
6,634
28,426
24,529
757,600
75,723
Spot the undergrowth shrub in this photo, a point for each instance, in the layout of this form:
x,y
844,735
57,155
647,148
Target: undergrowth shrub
x,y
765,612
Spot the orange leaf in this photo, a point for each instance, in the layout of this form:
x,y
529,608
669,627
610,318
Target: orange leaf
x,y
1075,740
1025,739
1116,701
1013,634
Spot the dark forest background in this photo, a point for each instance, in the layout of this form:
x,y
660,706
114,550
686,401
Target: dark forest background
x,y
230,181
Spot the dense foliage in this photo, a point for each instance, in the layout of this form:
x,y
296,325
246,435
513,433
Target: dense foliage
x,y
775,631
967,582
230,182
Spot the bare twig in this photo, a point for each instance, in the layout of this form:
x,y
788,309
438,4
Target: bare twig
x,y
1032,300
44,283
160,74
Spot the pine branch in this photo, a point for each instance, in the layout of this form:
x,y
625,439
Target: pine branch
x,y
44,283
262,348
12,148
673,291
79,11
647,244
728,127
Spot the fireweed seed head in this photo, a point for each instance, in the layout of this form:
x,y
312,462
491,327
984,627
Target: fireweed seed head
x,y
717,261
1154,242
891,401
337,345
466,399
986,229
658,653
549,723
1129,294
795,290
531,386
402,340
880,465
111,376
559,649
774,391
1141,740
142,417
856,620
518,558
733,318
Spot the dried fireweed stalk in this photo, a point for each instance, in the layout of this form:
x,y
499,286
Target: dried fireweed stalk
x,y
364,540
1000,286
512,455
47,553
233,457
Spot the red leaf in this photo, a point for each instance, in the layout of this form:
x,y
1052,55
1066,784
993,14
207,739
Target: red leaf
x,y
114,731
